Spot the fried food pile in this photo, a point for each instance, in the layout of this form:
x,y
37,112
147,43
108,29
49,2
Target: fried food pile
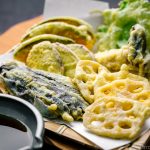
x,y
55,57
115,117
120,101
114,33
105,82
56,45
131,54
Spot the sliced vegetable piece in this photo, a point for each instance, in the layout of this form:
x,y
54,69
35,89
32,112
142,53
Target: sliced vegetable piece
x,y
81,51
22,50
42,89
78,34
44,57
69,59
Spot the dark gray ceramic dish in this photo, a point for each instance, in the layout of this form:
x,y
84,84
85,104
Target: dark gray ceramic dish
x,y
26,113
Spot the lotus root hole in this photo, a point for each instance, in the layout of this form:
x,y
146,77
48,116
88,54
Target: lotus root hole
x,y
97,110
120,85
102,119
96,123
127,106
87,69
135,88
109,78
131,116
142,98
125,125
106,91
84,79
92,91
96,70
110,104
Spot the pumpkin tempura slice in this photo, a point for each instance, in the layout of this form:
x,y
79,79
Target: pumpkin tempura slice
x,y
22,50
44,57
78,34
69,20
68,57
81,51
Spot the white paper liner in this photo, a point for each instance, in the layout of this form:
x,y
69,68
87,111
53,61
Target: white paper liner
x,y
104,142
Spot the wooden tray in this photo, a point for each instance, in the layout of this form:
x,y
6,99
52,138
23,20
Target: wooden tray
x,y
58,135
64,132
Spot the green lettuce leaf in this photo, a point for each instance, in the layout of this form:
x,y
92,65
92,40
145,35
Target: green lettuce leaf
x,y
114,32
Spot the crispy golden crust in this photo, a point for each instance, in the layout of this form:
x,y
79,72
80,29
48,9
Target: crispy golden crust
x,y
85,75
69,59
115,117
22,50
44,57
122,84
81,51
78,34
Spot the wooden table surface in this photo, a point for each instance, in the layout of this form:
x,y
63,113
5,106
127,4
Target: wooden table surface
x,y
10,38
13,35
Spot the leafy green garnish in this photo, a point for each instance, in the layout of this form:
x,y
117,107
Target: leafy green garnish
x,y
123,4
118,22
102,28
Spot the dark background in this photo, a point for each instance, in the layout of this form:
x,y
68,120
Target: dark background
x,y
14,11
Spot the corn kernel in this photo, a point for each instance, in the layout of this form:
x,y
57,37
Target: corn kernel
x,y
137,90
75,113
67,117
52,107
53,93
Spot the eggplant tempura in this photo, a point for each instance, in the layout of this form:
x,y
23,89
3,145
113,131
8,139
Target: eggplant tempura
x,y
54,95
